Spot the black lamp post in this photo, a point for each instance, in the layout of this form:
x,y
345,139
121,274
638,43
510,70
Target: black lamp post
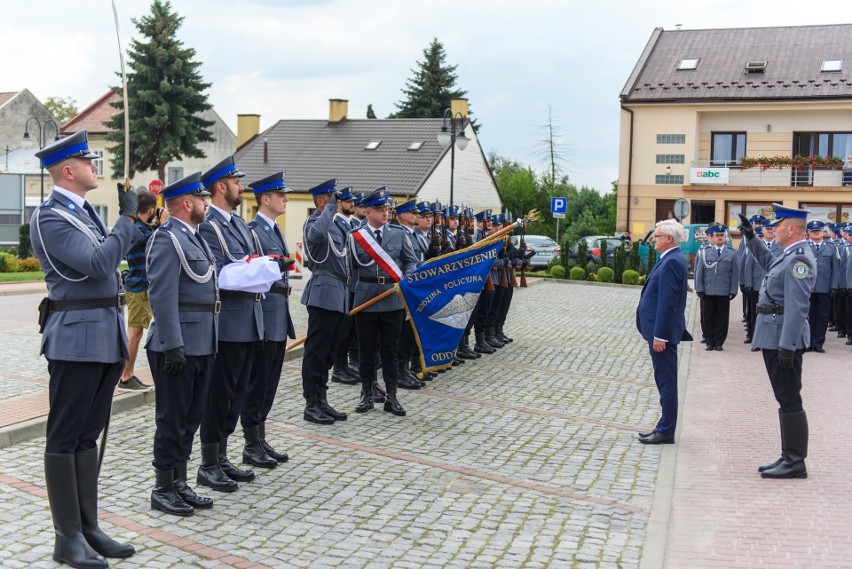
x,y
41,132
448,137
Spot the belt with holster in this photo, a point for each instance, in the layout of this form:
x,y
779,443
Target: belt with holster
x,y
255,296
377,280
280,289
338,276
770,309
214,307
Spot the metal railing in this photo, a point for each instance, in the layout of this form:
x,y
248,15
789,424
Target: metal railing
x,y
793,177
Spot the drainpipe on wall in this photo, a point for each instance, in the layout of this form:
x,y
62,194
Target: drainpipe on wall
x,y
629,168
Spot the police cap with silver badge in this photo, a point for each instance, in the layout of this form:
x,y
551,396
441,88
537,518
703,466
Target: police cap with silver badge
x,y
224,169
816,225
273,183
784,212
326,187
377,198
74,146
714,228
189,185
347,194
406,207
484,215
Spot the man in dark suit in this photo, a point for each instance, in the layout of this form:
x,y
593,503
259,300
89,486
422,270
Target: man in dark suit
x,y
82,322
660,319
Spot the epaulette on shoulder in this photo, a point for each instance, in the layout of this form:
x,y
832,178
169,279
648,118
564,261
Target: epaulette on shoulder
x,y
395,226
800,251
166,225
47,203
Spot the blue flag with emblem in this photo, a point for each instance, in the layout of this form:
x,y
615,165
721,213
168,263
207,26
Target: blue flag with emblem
x,y
439,297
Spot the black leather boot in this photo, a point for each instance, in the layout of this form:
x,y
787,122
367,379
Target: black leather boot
x,y
378,393
481,346
491,339
210,474
464,352
70,546
253,452
228,468
322,401
470,350
366,401
405,380
86,466
313,412
188,494
279,456
795,428
354,364
780,460
391,403
165,498
503,337
340,371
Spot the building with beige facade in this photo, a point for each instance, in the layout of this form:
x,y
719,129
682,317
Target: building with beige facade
x,y
698,101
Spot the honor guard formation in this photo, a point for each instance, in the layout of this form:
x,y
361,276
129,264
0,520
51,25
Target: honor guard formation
x,y
214,292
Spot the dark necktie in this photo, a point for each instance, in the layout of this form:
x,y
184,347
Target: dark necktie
x,y
719,251
277,231
241,237
91,211
817,248
378,233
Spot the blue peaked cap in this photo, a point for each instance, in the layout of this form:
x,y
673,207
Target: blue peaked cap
x,y
377,198
273,183
188,185
405,207
715,228
816,225
782,211
325,188
347,194
224,169
74,146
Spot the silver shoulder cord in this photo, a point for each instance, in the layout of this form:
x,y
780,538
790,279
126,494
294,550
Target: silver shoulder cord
x,y
709,265
76,223
224,246
355,255
201,279
259,248
331,247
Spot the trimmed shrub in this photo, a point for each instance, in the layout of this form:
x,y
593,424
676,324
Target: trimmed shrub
x,y
652,260
570,264
604,259
630,277
642,279
591,267
577,274
25,248
11,262
618,263
634,261
592,277
29,264
606,275
558,271
582,252
553,263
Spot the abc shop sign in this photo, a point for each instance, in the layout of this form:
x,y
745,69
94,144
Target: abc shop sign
x,y
708,175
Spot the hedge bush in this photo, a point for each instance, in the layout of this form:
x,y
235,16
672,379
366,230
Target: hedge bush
x,y
606,275
630,277
29,264
591,267
10,264
642,279
577,274
558,271
25,248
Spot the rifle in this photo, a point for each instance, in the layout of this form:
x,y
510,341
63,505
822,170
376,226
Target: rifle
x,y
513,280
436,219
460,237
522,245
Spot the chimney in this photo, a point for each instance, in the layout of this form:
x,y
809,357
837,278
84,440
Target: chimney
x,y
248,126
459,106
337,110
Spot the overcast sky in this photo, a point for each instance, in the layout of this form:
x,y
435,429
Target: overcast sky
x,y
283,59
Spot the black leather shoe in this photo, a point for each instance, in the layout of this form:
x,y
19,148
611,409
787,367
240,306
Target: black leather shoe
x,y
393,406
747,340
341,375
210,473
841,334
314,414
279,456
657,439
165,498
188,494
770,466
703,341
755,349
819,349
646,435
253,452
718,348
849,341
407,382
365,403
228,468
832,328
331,411
378,393
709,348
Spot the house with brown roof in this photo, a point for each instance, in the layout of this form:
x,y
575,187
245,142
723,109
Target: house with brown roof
x,y
699,102
94,119
402,154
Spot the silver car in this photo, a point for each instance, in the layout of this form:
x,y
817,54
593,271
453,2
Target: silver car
x,y
544,247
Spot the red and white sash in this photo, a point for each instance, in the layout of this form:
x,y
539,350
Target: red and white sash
x,y
367,242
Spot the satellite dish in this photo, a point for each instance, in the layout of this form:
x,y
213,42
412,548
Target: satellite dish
x,y
681,209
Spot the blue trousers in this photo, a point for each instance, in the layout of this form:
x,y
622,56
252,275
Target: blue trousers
x,y
665,375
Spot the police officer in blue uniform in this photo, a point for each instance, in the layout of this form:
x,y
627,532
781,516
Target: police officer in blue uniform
x,y
479,318
240,330
716,278
381,323
84,342
343,372
271,195
782,330
327,298
182,340
827,281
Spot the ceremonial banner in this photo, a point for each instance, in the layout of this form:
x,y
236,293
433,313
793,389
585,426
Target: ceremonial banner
x,y
440,296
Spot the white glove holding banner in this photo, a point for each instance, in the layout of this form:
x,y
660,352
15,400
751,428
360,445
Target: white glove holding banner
x,y
255,275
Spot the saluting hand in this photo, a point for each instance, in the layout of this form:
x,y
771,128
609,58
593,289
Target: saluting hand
x,y
745,227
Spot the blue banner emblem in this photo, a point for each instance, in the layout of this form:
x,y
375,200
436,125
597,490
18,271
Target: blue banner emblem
x,y
439,297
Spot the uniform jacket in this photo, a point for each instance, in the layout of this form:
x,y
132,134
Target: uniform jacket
x,y
325,237
753,271
398,247
170,285
241,319
660,313
715,274
828,267
846,267
417,245
65,252
790,278
277,323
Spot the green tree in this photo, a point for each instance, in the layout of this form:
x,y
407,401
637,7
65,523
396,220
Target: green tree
x,y
429,91
63,109
165,96
371,114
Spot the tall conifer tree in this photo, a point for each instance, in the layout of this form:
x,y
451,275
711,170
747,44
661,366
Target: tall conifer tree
x,y
165,95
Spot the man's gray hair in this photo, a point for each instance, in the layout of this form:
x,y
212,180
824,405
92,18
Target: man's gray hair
x,y
673,228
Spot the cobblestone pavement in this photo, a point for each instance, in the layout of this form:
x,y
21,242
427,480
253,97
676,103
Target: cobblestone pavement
x,y
527,458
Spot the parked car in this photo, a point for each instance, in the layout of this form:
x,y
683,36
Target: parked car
x,y
544,247
593,248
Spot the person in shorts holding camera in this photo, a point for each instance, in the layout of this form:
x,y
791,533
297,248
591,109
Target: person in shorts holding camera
x,y
139,316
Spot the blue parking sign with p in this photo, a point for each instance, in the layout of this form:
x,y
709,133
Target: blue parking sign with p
x,y
558,205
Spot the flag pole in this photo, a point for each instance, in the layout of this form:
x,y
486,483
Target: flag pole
x,y
533,215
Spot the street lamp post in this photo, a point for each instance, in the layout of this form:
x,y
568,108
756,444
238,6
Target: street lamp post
x,y
448,137
41,132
